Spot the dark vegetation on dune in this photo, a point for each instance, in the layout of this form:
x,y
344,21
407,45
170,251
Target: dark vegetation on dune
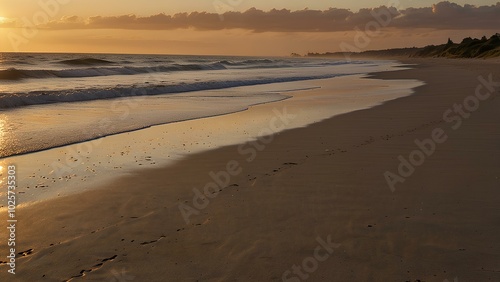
x,y
483,48
468,48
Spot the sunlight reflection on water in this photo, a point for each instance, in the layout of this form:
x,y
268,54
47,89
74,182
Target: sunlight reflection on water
x,y
3,122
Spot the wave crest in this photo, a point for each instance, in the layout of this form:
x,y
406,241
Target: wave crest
x,y
11,100
17,74
86,62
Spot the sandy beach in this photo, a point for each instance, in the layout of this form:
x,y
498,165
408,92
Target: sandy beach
x,y
403,191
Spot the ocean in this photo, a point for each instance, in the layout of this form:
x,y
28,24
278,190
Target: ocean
x,y
51,100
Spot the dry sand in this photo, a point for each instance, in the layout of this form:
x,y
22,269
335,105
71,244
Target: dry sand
x,y
320,183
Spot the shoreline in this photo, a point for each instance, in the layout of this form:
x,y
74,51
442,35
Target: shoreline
x,y
104,159
324,181
110,116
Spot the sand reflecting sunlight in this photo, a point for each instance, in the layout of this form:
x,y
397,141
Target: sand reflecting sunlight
x,y
3,125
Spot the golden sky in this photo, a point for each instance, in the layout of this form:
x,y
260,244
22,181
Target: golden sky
x,y
237,27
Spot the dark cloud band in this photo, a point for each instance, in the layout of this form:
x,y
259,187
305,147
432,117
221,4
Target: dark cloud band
x,y
444,15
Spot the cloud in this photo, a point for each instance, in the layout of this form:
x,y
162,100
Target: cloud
x,y
7,23
447,15
444,15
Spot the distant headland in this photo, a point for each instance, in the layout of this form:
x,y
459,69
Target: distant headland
x,y
483,48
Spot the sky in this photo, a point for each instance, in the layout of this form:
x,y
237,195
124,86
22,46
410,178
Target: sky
x,y
238,27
